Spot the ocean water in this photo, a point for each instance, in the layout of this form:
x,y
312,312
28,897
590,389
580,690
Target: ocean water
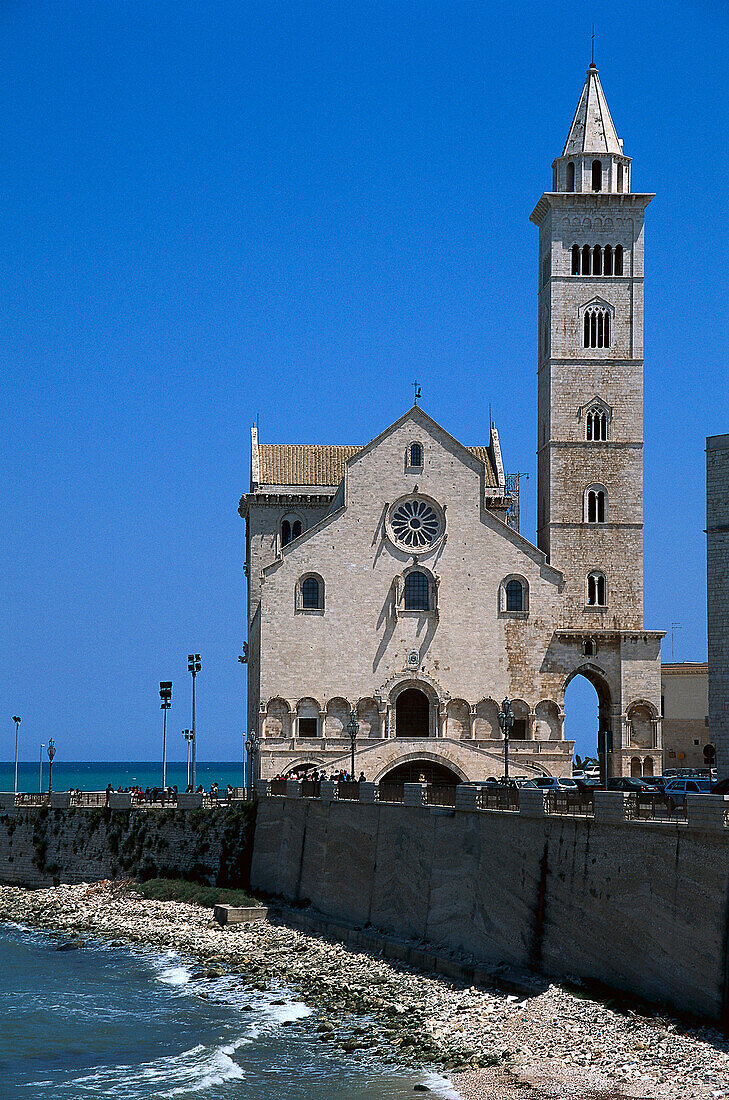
x,y
95,776
128,1024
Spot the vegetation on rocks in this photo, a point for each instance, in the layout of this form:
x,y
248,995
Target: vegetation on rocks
x,y
166,889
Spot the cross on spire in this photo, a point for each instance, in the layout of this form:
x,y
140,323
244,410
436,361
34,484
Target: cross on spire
x,y
416,388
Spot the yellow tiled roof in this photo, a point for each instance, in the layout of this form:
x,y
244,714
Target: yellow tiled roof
x,y
311,464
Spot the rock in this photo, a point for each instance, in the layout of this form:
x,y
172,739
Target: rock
x,y
71,945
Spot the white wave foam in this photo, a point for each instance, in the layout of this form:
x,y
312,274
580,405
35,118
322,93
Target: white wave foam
x,y
174,975
193,1070
441,1086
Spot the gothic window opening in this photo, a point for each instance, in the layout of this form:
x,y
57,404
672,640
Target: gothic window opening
x,y
417,592
416,455
596,590
597,175
619,260
595,505
596,425
575,259
571,176
597,260
596,327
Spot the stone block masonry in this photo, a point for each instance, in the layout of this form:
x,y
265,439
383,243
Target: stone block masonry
x,y
717,594
45,846
639,906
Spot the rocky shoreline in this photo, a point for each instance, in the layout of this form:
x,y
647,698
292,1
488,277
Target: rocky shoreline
x,y
492,1044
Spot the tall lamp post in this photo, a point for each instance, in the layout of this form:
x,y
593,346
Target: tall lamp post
x,y
40,769
193,667
352,730
165,694
252,745
51,754
188,738
506,724
16,719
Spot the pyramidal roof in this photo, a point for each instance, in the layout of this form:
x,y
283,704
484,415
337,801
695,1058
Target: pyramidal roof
x,y
592,129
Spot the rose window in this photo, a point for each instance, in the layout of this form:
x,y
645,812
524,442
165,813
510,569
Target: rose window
x,y
415,524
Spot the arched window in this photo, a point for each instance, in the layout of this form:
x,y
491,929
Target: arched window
x,y
596,425
571,176
296,529
417,592
312,594
597,175
285,533
596,327
619,260
586,258
607,265
620,177
589,647
595,502
575,259
514,596
596,590
416,455
597,260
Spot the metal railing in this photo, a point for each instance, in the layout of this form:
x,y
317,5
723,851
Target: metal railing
x,y
654,807
392,792
570,802
310,788
440,794
349,789
495,797
277,786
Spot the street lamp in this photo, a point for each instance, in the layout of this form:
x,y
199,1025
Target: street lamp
x,y
165,694
252,745
353,730
193,667
40,768
506,723
51,754
188,737
16,719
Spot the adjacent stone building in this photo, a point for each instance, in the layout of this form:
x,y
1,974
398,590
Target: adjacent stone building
x,y
385,579
717,593
687,741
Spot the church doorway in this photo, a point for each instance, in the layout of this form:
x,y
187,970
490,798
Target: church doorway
x,y
428,771
412,714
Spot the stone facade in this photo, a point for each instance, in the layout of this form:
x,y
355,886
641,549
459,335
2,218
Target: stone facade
x,y
687,741
717,593
385,578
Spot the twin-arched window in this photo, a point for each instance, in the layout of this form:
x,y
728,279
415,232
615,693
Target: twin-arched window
x,y
596,589
595,504
596,425
291,528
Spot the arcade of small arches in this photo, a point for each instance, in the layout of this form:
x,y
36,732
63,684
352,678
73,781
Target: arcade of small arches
x,y
596,259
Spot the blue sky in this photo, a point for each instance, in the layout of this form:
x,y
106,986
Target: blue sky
x,y
222,211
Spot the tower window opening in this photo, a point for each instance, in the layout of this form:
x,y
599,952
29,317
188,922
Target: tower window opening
x,y
620,177
597,175
596,328
417,592
570,176
575,259
596,590
296,529
596,425
285,533
597,260
595,505
619,260
586,260
589,647
607,260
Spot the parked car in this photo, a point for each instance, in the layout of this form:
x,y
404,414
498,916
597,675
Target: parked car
x,y
545,783
579,774
630,784
677,789
722,787
658,782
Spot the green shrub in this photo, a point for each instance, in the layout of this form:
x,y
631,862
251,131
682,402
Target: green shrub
x,y
166,889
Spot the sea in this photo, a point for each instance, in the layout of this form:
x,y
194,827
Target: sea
x,y
130,1024
95,776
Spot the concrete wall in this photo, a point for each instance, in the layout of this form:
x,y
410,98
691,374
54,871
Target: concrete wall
x,y
639,906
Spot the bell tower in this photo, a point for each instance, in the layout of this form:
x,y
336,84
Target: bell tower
x,y
590,400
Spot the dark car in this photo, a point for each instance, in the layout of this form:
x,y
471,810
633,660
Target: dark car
x,y
722,787
629,784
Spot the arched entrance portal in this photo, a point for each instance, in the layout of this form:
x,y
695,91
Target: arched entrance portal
x,y
412,714
411,772
586,713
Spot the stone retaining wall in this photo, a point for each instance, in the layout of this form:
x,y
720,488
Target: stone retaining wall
x,y
639,906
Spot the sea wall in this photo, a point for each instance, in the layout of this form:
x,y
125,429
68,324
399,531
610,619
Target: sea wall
x,y
638,906
40,847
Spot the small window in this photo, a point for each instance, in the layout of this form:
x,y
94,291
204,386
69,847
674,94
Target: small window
x,y
597,175
607,265
417,592
595,501
514,596
620,177
589,647
312,595
596,425
416,455
586,260
571,176
597,260
308,727
596,590
296,529
285,533
575,259
619,260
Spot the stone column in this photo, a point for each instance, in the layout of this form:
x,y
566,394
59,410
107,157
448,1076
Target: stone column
x,y
368,792
442,718
531,802
472,723
611,806
414,794
707,812
322,724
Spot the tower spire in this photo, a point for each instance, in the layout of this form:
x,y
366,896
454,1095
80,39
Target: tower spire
x,y
592,129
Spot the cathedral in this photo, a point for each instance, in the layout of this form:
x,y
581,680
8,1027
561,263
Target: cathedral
x,y
389,580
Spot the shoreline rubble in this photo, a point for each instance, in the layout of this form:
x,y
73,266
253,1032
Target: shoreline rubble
x,y
493,1045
